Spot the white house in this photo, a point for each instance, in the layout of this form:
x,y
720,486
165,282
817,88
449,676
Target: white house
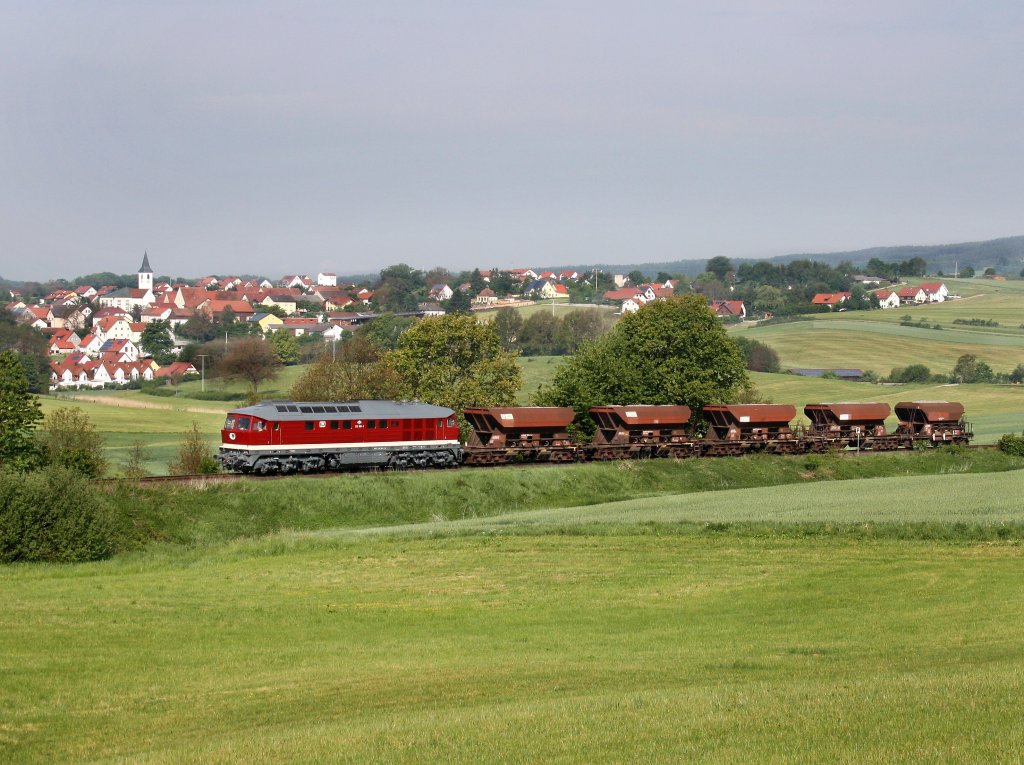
x,y
552,290
630,305
908,295
326,280
112,328
936,291
887,299
441,292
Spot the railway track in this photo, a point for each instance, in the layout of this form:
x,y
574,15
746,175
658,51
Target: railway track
x,y
200,480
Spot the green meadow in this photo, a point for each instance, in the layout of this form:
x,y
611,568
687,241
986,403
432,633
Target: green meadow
x,y
871,620
876,341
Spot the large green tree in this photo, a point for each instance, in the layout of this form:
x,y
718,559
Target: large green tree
x,y
668,352
157,341
252,360
456,361
508,323
31,347
355,370
19,415
720,266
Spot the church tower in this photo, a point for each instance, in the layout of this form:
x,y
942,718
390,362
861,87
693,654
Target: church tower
x,y
145,274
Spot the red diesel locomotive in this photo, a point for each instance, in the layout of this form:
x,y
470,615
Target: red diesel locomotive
x,y
293,436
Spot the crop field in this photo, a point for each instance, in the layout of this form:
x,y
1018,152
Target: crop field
x,y
1003,306
875,340
880,346
870,621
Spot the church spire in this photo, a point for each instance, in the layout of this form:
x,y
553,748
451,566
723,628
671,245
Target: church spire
x,y
145,274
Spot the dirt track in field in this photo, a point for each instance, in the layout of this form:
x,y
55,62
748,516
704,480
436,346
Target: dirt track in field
x,y
133,404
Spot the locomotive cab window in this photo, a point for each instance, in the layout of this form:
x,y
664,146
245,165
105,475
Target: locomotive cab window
x,y
229,423
243,423
451,422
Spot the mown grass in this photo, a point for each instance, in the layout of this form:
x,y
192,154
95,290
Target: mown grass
x,y
880,346
537,371
875,340
1002,302
656,630
186,516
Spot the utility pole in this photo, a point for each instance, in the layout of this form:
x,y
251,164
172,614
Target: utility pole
x,y
202,363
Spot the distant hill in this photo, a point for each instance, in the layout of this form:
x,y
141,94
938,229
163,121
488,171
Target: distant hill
x,y
1005,255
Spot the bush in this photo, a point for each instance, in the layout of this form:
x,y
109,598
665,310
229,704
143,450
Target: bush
x,y
195,457
1011,443
218,395
68,438
164,391
915,373
54,515
760,357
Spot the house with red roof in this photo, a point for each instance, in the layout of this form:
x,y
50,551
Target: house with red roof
x,y
176,370
485,297
935,291
214,309
90,344
127,298
63,341
831,299
887,299
112,328
912,296
71,373
729,309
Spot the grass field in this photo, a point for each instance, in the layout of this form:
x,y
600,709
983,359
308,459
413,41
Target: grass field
x,y
537,371
160,426
880,346
875,340
855,622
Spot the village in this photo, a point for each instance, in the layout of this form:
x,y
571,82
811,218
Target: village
x,y
94,334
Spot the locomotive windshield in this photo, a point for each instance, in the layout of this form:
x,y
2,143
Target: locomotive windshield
x,y
229,423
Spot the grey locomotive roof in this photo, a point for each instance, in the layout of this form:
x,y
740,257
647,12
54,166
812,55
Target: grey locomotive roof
x,y
344,410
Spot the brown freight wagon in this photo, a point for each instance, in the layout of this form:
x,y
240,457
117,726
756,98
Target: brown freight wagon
x,y
935,422
530,433
625,432
851,424
742,428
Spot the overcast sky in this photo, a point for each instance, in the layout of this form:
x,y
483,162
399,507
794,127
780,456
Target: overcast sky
x,y
274,137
